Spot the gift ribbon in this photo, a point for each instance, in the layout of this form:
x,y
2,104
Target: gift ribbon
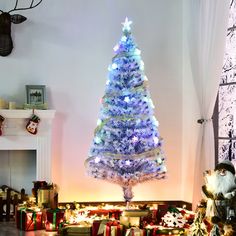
x,y
54,220
21,217
34,216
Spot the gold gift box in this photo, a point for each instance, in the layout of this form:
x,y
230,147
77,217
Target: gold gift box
x,y
130,221
135,213
76,230
131,217
47,198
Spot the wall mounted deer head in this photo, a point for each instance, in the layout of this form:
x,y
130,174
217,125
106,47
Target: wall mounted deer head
x,y
6,44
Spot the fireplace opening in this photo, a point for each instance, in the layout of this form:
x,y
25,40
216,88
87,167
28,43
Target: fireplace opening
x,y
18,169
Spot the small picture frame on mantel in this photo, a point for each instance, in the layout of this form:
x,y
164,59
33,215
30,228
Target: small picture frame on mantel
x,y
35,97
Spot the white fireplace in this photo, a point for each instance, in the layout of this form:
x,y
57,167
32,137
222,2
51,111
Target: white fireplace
x,y
16,137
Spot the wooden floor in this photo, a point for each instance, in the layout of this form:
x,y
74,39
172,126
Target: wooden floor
x,y
9,229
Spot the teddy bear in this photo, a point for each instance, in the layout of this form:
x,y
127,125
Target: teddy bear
x,y
219,193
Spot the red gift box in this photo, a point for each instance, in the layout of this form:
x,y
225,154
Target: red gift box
x,y
28,219
53,219
150,219
161,211
113,228
98,227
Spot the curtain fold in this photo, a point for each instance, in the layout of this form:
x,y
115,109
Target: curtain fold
x,y
206,34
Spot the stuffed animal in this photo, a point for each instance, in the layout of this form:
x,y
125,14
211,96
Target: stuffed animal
x,y
219,192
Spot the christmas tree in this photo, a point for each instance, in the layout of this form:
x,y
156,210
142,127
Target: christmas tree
x,y
127,147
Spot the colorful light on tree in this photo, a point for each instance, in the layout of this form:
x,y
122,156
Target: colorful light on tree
x,y
127,147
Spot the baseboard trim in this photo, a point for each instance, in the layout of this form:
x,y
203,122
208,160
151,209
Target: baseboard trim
x,y
176,203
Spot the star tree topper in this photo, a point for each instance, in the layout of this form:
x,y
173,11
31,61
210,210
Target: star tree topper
x,y
126,24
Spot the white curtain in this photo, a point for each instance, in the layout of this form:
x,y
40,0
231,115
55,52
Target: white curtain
x,y
206,34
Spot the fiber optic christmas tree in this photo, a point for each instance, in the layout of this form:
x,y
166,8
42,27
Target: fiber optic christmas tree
x,y
126,148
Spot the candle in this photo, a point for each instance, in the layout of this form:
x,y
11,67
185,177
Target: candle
x,y
2,103
12,105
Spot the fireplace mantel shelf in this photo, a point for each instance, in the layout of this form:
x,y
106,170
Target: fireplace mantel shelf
x,y
21,114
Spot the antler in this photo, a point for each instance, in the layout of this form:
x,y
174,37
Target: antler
x,y
25,8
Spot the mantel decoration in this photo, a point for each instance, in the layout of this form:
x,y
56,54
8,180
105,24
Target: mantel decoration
x,y
32,124
36,97
127,147
6,44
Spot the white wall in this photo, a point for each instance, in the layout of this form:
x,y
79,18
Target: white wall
x,y
67,45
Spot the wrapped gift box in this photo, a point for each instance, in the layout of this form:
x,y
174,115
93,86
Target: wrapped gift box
x,y
113,228
135,231
28,219
132,217
151,218
75,229
47,198
161,211
98,227
130,221
135,213
53,219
